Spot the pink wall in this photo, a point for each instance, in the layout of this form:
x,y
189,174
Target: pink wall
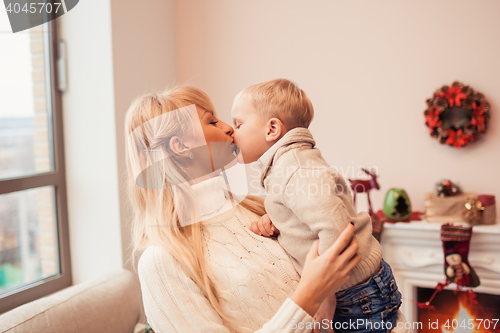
x,y
368,67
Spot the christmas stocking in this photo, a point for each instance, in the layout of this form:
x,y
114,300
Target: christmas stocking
x,y
456,242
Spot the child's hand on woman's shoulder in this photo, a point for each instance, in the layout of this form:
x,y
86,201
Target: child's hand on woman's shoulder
x,y
264,227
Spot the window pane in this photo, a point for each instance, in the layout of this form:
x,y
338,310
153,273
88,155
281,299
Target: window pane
x,y
25,119
28,237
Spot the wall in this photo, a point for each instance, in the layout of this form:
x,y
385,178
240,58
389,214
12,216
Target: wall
x,y
90,142
368,67
144,61
116,51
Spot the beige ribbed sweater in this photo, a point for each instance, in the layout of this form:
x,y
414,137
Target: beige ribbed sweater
x,y
307,199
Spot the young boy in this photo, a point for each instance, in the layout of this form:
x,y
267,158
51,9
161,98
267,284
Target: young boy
x,y
306,199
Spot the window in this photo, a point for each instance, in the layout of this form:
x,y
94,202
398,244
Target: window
x,y
34,249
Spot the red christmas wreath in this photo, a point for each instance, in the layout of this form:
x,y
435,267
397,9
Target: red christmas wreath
x,y
457,115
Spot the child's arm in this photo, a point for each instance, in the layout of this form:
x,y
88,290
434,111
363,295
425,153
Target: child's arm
x,y
264,227
321,199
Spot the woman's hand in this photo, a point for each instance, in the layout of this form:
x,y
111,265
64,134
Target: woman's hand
x,y
264,227
323,275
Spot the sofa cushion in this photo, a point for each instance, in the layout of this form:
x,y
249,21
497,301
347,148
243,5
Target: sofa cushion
x,y
108,304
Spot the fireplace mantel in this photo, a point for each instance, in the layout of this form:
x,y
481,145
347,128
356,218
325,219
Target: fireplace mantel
x,y
414,251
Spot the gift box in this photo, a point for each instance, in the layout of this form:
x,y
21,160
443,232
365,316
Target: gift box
x,y
445,209
489,215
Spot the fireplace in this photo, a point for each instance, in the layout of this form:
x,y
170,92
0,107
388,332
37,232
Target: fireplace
x,y
414,251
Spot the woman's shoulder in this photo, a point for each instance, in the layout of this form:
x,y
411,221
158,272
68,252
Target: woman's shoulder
x,y
152,252
154,259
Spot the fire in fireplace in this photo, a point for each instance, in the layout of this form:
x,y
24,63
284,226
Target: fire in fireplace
x,y
454,312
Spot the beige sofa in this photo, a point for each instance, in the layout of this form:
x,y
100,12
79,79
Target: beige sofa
x,y
108,304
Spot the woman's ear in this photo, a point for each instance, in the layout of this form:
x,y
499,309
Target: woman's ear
x,y
177,146
275,130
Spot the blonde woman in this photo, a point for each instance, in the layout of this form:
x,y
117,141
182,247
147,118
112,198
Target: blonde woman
x,y
215,275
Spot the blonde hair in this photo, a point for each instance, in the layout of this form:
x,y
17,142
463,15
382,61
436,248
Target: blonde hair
x,y
156,218
282,99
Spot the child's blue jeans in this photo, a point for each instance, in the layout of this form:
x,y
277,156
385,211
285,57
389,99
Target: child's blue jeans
x,y
369,307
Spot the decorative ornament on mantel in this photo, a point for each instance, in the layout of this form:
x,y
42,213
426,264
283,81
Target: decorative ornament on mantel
x,y
473,211
397,205
446,188
365,186
457,115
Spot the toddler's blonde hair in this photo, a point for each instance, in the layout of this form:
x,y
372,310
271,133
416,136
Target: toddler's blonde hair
x,y
282,99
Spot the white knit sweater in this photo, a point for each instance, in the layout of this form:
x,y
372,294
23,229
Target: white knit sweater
x,y
253,275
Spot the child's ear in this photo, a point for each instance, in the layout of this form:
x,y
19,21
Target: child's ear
x,y
275,129
177,146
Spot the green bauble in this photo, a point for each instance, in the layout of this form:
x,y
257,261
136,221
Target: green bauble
x,y
397,205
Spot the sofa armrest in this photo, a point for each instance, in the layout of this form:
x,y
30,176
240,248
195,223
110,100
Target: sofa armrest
x,y
111,303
